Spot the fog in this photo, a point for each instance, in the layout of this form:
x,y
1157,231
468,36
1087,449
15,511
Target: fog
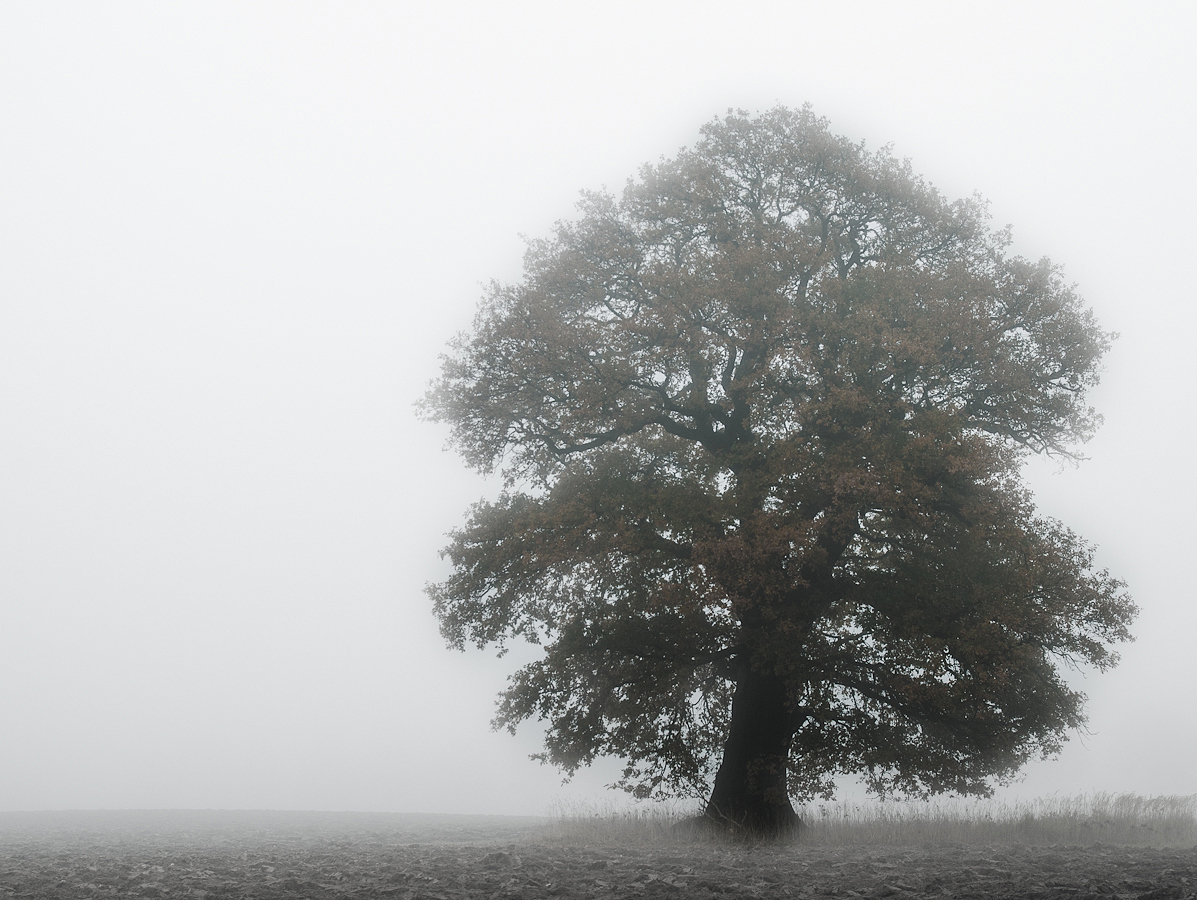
x,y
235,237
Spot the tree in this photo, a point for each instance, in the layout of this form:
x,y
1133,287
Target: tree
x,y
761,422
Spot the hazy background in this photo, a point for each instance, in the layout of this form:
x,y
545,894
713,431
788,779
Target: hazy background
x,y
234,238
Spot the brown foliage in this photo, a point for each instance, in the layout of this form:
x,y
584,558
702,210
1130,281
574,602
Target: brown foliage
x,y
765,413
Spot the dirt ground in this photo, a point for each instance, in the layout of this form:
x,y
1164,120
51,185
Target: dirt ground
x,y
211,854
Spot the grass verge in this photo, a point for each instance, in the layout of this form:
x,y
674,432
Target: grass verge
x,y
1117,819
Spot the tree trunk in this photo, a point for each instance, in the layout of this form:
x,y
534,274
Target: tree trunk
x,y
750,788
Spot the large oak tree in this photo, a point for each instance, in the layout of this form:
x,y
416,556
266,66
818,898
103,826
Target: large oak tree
x,y
761,421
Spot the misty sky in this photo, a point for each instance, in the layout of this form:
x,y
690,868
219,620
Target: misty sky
x,y
235,237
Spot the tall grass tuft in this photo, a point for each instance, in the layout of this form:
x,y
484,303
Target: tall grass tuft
x,y
1120,819
1124,819
611,823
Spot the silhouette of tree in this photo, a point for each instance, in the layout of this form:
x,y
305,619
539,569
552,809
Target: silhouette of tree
x,y
761,422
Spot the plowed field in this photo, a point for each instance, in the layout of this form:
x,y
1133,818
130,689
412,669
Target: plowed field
x,y
212,855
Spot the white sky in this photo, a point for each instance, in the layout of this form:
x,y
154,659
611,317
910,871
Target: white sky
x,y
234,238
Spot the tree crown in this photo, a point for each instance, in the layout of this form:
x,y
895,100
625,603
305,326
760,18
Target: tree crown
x,y
766,412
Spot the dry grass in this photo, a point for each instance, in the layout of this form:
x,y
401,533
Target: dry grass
x,y
615,823
1123,819
1116,819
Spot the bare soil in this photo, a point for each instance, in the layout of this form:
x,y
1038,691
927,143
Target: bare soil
x,y
213,854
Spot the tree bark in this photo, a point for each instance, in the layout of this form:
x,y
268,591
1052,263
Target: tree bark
x,y
750,791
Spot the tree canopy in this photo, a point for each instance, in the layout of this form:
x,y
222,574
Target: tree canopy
x,y
761,420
